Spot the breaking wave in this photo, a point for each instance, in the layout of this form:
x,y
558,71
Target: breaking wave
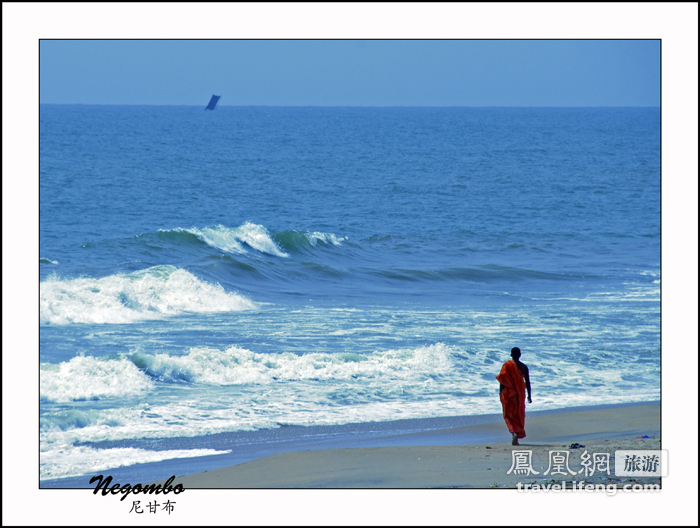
x,y
301,240
236,239
125,298
237,366
90,378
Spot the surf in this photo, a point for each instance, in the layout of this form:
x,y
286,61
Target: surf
x,y
236,240
153,293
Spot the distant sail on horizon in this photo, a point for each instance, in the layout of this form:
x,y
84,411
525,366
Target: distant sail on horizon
x,y
213,102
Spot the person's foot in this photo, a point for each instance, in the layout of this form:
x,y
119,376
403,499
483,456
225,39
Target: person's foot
x,y
515,439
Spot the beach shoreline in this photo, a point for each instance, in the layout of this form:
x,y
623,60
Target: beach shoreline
x,y
441,458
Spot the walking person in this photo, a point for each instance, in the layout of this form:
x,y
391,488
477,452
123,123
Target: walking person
x,y
514,378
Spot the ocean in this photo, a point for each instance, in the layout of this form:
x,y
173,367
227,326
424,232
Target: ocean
x,y
216,286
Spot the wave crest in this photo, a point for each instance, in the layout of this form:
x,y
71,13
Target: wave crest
x,y
234,239
238,366
125,298
301,240
90,378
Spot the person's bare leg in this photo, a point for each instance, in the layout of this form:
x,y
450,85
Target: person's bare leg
x,y
515,439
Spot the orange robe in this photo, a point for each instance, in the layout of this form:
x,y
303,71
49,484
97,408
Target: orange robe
x,y
513,397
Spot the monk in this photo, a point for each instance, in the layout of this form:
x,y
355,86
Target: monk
x,y
514,379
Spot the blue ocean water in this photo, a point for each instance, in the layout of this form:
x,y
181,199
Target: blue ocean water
x,y
213,280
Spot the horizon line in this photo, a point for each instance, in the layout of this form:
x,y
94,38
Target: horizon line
x,y
355,106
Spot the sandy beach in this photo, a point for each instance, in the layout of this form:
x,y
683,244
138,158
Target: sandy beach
x,y
460,465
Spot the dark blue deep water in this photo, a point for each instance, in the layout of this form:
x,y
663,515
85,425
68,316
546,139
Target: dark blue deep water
x,y
208,275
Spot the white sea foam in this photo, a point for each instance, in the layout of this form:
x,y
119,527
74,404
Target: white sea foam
x,y
124,298
328,238
69,461
238,366
239,390
90,378
232,239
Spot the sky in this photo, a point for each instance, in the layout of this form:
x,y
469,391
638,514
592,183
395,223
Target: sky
x,y
352,72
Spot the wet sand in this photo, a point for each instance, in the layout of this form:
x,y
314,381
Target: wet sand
x,y
485,465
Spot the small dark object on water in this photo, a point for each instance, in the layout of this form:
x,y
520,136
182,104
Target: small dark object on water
x,y
213,102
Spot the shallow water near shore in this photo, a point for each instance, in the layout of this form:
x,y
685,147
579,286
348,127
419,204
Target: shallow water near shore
x,y
255,275
240,447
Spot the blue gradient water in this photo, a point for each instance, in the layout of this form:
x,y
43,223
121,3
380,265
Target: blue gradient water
x,y
207,277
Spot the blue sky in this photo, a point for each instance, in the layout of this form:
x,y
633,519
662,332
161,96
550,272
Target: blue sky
x,y
352,72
